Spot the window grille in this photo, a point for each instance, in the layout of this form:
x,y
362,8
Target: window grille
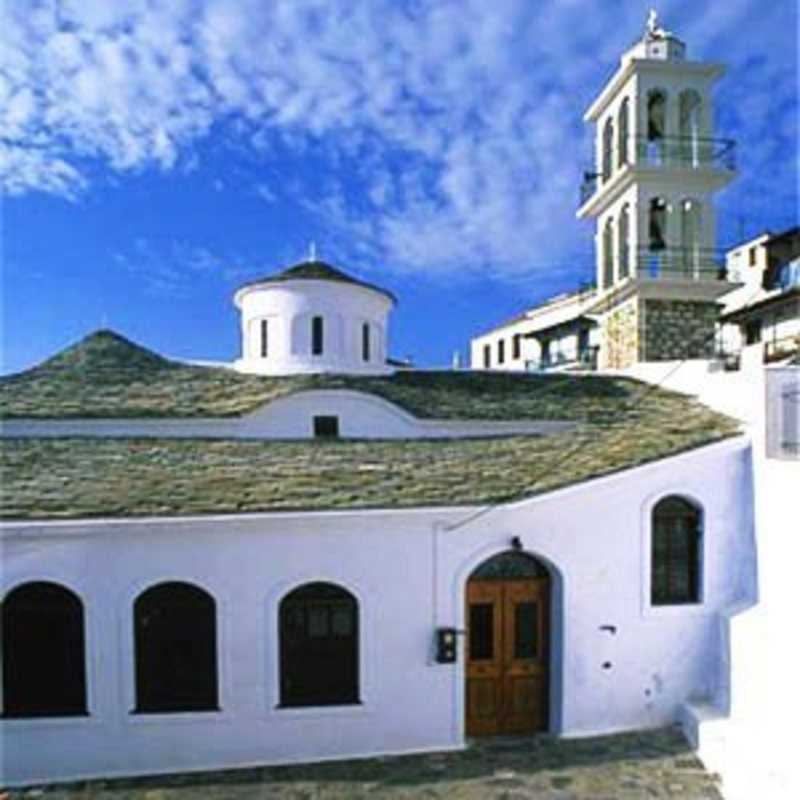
x,y
675,553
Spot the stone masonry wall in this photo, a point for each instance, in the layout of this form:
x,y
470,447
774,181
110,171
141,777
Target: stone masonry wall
x,y
676,329
621,341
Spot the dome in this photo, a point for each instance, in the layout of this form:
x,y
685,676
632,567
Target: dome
x,y
313,317
312,271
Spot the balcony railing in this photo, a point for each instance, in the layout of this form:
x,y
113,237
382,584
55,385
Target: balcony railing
x,y
586,360
674,151
688,152
685,263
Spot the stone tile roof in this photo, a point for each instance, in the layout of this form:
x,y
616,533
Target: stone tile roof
x,y
317,271
624,424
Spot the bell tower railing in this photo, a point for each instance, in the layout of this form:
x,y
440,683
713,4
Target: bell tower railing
x,y
670,152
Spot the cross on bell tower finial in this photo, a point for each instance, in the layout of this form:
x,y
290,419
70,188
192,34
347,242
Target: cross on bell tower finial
x,y
652,22
312,251
653,30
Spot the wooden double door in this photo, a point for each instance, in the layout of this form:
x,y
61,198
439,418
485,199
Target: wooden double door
x,y
507,656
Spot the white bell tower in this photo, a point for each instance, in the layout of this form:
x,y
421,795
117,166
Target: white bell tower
x,y
651,189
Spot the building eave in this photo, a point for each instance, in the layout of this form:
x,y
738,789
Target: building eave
x,y
710,178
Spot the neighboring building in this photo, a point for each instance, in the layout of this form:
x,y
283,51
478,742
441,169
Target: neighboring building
x,y
555,335
183,590
761,320
313,317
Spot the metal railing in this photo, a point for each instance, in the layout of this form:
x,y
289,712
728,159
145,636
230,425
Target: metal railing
x,y
669,151
681,263
689,152
586,359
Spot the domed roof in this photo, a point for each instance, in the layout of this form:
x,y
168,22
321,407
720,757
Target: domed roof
x,y
315,271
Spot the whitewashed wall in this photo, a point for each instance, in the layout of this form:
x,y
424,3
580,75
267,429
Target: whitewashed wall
x,y
361,415
408,570
288,307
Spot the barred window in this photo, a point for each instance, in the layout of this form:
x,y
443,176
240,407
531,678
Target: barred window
x,y
675,556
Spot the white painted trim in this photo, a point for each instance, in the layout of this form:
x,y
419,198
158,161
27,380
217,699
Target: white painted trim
x,y
265,422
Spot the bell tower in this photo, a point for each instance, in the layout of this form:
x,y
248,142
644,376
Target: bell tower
x,y
657,166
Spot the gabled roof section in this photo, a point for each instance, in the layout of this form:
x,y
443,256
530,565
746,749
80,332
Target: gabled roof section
x,y
315,271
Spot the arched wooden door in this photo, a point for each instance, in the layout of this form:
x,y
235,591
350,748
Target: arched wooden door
x,y
507,652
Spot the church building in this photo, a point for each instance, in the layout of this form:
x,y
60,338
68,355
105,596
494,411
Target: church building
x,y
314,553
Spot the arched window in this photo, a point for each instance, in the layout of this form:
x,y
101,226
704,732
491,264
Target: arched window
x,y
366,353
318,646
623,242
175,641
608,148
675,553
44,654
656,125
608,254
264,338
690,237
689,106
658,224
622,133
317,336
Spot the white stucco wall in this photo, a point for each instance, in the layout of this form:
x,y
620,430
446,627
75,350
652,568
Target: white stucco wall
x,y
289,306
361,416
408,570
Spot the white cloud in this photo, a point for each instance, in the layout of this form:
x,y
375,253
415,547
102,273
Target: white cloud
x,y
450,131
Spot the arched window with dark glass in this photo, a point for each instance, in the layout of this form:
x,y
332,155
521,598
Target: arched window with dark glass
x,y
608,148
366,349
675,553
317,336
44,652
318,646
175,644
622,133
656,125
657,224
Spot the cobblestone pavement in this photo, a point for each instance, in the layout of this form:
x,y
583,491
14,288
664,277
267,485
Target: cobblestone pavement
x,y
654,764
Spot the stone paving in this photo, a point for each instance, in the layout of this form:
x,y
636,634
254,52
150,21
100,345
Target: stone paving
x,y
637,766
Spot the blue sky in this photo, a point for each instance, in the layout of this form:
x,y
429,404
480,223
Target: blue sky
x,y
153,156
